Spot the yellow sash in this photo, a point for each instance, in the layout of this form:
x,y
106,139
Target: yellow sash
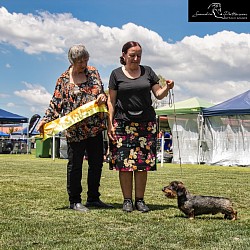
x,y
77,115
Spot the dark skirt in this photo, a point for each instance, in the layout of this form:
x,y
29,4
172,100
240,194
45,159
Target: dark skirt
x,y
135,147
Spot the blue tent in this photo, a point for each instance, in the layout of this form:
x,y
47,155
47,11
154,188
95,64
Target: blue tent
x,y
8,117
24,131
3,134
238,105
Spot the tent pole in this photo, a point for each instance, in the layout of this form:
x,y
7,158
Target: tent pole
x,y
200,137
27,146
162,149
53,147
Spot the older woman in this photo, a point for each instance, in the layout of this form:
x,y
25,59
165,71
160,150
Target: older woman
x,y
78,85
132,123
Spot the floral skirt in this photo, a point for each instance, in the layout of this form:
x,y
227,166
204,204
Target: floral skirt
x,y
135,147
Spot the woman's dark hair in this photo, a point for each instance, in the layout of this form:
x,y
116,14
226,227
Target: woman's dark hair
x,y
125,49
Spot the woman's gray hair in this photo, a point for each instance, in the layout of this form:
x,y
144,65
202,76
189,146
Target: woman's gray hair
x,y
77,52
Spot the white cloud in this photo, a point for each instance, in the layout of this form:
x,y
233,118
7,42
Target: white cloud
x,y
4,95
35,96
214,67
34,93
7,65
10,104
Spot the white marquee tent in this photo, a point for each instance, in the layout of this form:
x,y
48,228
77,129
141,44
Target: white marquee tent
x,y
184,120
226,134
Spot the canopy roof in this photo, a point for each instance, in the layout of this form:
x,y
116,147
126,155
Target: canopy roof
x,y
189,106
8,117
238,105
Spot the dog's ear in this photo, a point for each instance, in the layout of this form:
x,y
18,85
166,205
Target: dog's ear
x,y
180,191
181,185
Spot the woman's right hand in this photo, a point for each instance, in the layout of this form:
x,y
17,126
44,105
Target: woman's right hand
x,y
40,126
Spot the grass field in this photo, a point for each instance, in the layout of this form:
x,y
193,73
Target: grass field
x,y
34,210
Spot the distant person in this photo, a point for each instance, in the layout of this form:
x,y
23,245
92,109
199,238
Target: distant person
x,y
132,123
167,141
78,85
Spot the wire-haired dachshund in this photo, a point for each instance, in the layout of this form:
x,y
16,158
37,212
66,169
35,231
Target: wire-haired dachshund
x,y
193,205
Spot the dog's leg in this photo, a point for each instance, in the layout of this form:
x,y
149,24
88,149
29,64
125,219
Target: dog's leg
x,y
191,214
235,216
230,214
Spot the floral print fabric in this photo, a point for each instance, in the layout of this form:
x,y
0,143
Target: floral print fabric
x,y
135,147
69,96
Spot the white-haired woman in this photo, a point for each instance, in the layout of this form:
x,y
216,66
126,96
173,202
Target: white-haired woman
x,y
78,85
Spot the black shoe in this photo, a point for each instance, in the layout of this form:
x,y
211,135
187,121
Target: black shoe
x,y
99,204
141,206
78,207
127,205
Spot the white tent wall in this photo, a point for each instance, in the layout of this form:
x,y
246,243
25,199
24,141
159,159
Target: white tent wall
x,y
186,137
227,140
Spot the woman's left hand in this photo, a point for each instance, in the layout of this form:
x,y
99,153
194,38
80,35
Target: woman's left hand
x,y
170,84
101,99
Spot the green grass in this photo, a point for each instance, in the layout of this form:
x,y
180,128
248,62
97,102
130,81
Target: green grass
x,y
34,213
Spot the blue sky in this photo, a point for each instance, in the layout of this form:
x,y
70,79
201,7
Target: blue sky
x,y
206,60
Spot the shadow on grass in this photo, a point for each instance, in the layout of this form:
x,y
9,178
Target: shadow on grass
x,y
119,206
201,218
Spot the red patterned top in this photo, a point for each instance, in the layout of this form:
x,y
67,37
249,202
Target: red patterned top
x,y
69,96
